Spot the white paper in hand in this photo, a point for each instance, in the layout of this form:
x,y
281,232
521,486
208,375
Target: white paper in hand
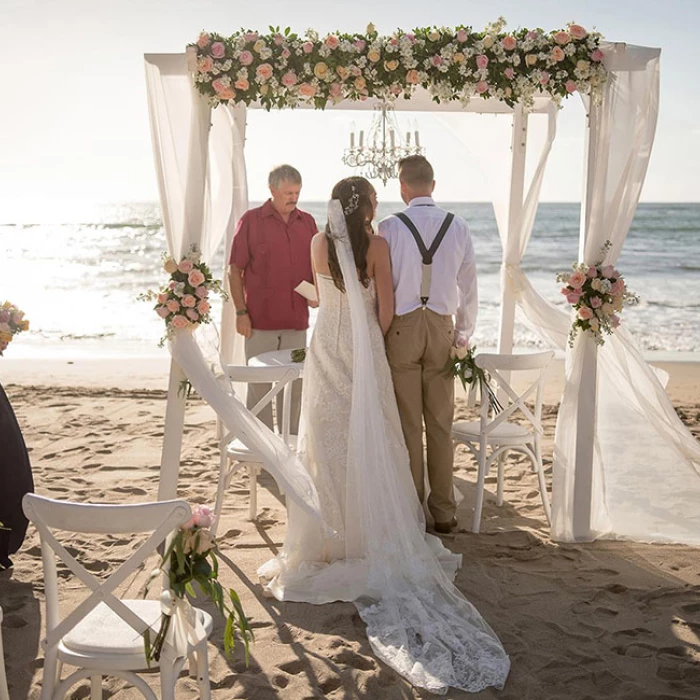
x,y
307,290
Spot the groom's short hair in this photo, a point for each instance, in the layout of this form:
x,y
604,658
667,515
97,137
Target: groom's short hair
x,y
416,171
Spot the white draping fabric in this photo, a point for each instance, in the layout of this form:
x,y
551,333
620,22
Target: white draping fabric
x,y
194,154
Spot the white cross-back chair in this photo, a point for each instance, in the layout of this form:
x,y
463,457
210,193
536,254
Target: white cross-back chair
x,y
4,692
234,454
103,635
494,435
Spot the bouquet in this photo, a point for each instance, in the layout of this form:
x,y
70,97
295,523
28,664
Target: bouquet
x,y
12,321
462,364
191,556
184,301
598,294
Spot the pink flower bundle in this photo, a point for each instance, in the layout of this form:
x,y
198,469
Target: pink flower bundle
x,y
12,321
184,302
598,294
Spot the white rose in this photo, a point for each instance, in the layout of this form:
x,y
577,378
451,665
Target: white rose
x,y
461,353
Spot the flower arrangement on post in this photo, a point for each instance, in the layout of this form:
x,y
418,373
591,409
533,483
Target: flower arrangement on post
x,y
184,302
12,322
598,294
191,556
462,364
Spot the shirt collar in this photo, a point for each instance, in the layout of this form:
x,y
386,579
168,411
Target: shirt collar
x,y
421,202
269,210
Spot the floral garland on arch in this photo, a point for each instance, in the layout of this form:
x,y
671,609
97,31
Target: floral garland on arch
x,y
283,69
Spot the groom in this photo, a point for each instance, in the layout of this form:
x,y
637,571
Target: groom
x,y
434,276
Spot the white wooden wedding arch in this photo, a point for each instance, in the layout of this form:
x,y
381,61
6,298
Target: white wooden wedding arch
x,y
624,464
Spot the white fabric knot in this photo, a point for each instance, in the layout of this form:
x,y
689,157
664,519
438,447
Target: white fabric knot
x,y
512,274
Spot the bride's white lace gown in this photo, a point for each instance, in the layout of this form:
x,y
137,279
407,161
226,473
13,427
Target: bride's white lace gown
x,y
375,551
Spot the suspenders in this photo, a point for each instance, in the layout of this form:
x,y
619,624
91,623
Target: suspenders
x,y
426,253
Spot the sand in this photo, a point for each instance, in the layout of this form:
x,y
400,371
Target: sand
x,y
602,620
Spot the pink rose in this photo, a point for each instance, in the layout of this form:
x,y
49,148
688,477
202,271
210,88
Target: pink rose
x,y
218,50
607,271
205,64
597,55
241,84
544,77
359,44
204,40
577,279
286,53
226,94
592,272
189,301
289,79
219,85
203,307
482,61
5,315
356,71
332,41
557,54
596,302
162,311
412,37
245,58
618,287
577,31
307,47
203,516
251,37
335,90
307,90
412,77
509,43
179,322
562,38
509,73
264,71
202,292
436,60
278,39
162,299
173,306
570,86
462,35
532,34
573,297
584,313
482,86
195,278
193,315
185,266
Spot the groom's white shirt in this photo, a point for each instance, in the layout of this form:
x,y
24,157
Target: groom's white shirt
x,y
453,288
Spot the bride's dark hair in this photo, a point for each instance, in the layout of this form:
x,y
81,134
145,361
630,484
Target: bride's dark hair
x,y
354,194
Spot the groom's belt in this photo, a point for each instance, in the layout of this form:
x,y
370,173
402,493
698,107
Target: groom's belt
x,y
426,253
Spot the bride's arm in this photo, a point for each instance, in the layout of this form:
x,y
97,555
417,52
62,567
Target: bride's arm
x,y
383,283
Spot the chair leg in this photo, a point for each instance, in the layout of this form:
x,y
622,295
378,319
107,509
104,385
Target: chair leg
x,y
95,687
543,486
51,674
203,671
253,487
167,679
220,492
481,478
499,485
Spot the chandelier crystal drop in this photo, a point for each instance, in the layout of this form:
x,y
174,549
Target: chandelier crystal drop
x,y
379,153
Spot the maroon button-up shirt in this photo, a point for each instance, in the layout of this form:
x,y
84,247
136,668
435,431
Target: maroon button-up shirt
x,y
275,257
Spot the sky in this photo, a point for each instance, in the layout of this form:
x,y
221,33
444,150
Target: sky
x,y
74,123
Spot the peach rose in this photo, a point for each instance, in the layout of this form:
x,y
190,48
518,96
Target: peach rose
x,y
258,46
459,57
173,306
434,35
509,42
241,84
582,65
482,61
179,322
342,72
203,307
332,41
373,55
170,266
391,65
186,266
562,38
360,83
557,54
412,77
189,301
307,90
205,64
162,299
530,59
264,71
482,86
218,50
195,278
245,58
321,70
570,86
163,311
204,40
226,94
192,315
577,279
584,313
577,31
289,79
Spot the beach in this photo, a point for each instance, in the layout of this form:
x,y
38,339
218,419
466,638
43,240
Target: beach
x,y
601,620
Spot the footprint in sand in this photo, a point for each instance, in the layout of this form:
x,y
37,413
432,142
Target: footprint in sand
x,y
293,668
347,657
133,490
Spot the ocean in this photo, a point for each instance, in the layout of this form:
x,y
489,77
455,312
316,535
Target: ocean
x,y
77,275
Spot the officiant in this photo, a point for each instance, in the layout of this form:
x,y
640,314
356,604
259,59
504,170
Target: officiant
x,y
270,257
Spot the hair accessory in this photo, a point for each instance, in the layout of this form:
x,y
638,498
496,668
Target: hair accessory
x,y
353,203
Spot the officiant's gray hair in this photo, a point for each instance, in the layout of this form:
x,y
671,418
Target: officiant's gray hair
x,y
284,173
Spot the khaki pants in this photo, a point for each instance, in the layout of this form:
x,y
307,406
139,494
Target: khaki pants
x,y
266,341
418,348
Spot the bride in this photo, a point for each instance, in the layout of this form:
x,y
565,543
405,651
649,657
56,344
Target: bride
x,y
375,551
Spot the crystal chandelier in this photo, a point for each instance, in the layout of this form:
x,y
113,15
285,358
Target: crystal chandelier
x,y
378,155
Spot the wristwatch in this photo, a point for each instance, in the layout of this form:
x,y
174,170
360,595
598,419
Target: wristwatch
x,y
242,312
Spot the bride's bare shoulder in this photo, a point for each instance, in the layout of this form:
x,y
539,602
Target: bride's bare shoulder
x,y
378,246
